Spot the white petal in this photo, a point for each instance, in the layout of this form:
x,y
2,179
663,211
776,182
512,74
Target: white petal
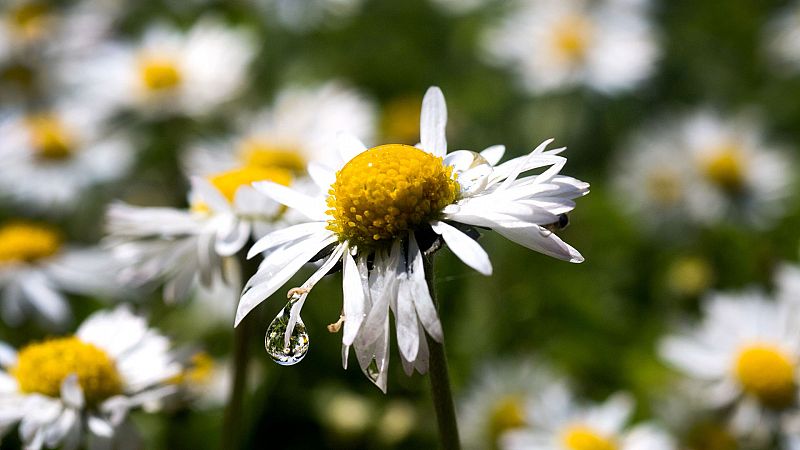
x,y
466,248
8,356
323,177
426,310
354,299
284,235
209,194
494,154
432,123
100,427
50,303
230,241
349,146
71,392
544,241
406,320
311,207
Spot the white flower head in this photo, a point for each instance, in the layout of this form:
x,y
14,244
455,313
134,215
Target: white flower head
x,y
743,354
168,71
53,155
782,38
37,270
295,130
310,14
377,211
64,390
496,402
607,46
180,247
558,422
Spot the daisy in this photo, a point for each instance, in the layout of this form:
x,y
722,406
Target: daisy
x,y
782,36
178,247
380,212
738,173
64,390
53,155
743,355
290,133
310,14
168,71
37,269
559,423
607,46
496,402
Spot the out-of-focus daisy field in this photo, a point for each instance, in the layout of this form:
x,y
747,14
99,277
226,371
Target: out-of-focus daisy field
x,y
172,168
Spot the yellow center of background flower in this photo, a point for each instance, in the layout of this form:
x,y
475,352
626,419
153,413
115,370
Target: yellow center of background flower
x,y
261,153
199,372
29,20
506,415
572,36
581,437
229,182
159,73
50,137
42,367
24,242
725,168
386,191
664,187
768,373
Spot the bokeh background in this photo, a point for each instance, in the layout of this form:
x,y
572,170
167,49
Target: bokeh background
x,y
597,323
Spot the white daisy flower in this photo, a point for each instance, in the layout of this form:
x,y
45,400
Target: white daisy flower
x,y
744,354
295,130
782,37
52,156
63,390
607,46
496,402
168,71
37,269
311,13
559,423
382,209
179,247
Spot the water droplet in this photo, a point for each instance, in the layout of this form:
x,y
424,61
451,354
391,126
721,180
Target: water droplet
x,y
372,371
473,169
274,341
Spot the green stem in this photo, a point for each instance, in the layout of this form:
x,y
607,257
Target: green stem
x,y
233,421
440,380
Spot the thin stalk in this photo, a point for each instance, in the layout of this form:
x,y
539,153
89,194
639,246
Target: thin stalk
x,y
233,421
440,380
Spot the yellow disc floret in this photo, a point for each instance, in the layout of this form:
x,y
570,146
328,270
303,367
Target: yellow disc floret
x,y
572,36
30,20
159,73
26,242
42,367
725,168
386,191
768,373
507,414
229,182
50,137
262,153
580,437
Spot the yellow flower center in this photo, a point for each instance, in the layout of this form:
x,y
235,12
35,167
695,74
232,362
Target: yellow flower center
x,y
689,276
229,182
580,437
260,153
42,367
664,187
768,373
386,191
50,137
159,73
24,242
29,20
725,168
198,372
571,37
506,415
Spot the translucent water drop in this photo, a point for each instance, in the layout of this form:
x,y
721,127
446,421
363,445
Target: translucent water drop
x,y
274,341
373,372
472,169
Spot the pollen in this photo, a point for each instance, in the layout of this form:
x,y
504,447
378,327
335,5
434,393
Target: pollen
x,y
386,191
571,37
159,73
506,415
22,242
580,437
725,169
42,367
229,182
50,138
262,153
766,372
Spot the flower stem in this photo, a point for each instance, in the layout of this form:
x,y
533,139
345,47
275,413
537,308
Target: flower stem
x,y
233,420
440,379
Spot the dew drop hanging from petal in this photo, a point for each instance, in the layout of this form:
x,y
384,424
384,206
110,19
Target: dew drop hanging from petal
x,y
283,353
